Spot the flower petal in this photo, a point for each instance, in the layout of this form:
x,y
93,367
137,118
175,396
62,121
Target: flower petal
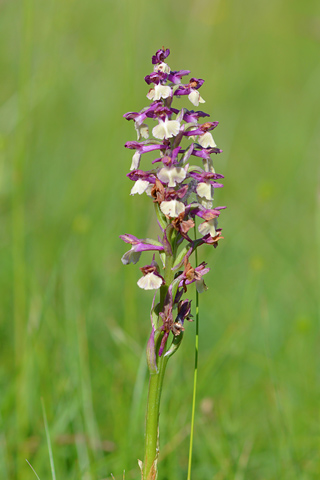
x,y
205,190
208,227
172,208
131,256
135,160
206,140
166,129
150,282
150,94
195,98
140,187
162,67
161,91
172,175
201,286
142,130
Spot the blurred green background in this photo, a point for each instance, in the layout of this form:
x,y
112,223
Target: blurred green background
x,y
73,322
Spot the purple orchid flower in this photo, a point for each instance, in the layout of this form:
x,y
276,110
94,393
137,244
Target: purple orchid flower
x,y
210,240
206,213
203,176
170,157
138,246
146,112
156,77
161,112
184,311
191,275
191,89
205,152
202,129
143,147
175,77
135,175
143,181
194,84
160,56
151,280
190,116
193,117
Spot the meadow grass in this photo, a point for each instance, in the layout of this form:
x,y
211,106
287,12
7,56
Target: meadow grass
x,y
73,323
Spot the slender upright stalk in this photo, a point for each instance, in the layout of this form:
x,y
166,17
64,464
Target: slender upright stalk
x,y
152,420
195,375
154,394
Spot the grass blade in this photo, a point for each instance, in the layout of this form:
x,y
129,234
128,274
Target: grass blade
x,y
53,473
33,469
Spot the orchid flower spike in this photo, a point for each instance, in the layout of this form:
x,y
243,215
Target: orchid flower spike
x,y
179,177
179,189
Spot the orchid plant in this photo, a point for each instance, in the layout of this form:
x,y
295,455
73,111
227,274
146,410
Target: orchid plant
x,y
181,192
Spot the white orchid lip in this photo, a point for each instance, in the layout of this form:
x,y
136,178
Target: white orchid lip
x,y
158,92
172,208
151,281
195,98
162,67
166,129
206,140
139,187
205,190
135,160
208,227
142,130
172,175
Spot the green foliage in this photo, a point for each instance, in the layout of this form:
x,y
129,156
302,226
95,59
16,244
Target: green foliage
x,y
73,323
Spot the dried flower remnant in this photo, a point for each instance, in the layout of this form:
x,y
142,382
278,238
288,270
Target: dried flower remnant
x,y
181,181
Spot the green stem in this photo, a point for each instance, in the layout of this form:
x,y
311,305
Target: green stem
x,y
154,394
152,420
195,375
